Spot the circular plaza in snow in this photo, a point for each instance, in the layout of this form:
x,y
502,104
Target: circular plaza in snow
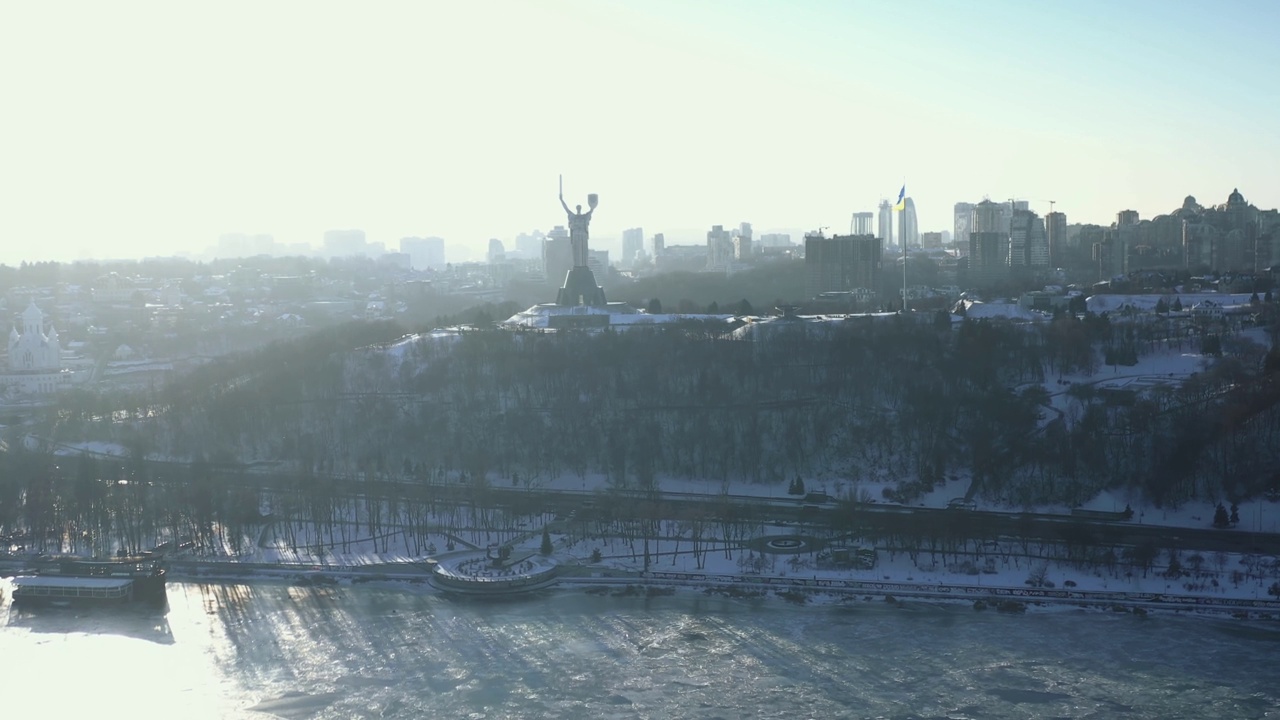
x,y
478,573
786,544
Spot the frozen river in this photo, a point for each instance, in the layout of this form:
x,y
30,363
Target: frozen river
x,y
261,650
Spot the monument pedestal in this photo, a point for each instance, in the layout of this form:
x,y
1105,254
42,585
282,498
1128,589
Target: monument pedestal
x,y
580,288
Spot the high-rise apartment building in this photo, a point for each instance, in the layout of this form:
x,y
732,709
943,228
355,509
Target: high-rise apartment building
x,y
1088,235
529,245
776,240
861,224
425,253
1028,244
742,247
1111,254
931,240
598,262
345,243
962,220
497,251
1038,255
988,257
632,245
1126,217
659,244
1233,237
719,248
557,256
841,263
240,245
908,226
1055,226
885,230
988,217
1008,208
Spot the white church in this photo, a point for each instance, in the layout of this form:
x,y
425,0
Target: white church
x,y
35,358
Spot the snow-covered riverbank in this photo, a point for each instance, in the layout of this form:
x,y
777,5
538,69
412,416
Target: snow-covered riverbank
x,y
814,588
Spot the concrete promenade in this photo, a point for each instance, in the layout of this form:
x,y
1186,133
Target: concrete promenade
x,y
935,591
419,573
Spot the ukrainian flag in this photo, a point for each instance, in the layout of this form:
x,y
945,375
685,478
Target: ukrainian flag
x,y
902,199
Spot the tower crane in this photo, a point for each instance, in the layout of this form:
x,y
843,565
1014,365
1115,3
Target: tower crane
x,y
1039,200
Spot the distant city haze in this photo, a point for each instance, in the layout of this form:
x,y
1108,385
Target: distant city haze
x,y
136,129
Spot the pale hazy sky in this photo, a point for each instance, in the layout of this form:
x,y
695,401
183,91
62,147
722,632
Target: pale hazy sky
x,y
132,128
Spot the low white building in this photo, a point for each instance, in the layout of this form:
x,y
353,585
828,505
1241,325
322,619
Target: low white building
x,y
1207,310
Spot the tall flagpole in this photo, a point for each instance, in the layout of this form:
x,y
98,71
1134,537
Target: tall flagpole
x,y
902,236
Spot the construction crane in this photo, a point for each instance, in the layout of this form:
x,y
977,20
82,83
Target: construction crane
x,y
1039,200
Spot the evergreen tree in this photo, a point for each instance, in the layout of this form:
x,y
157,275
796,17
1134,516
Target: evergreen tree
x,y
547,549
1210,345
1271,363
744,308
1235,514
1162,307
1220,519
713,308
1177,304
654,307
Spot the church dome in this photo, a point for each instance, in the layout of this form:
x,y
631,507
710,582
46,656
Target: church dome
x,y
1235,198
1190,208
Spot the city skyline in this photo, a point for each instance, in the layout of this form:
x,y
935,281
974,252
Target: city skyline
x,y
134,132
247,244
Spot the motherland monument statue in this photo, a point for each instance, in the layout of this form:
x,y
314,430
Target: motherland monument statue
x,y
580,283
578,226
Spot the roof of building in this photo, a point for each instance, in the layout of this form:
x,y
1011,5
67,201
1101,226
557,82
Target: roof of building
x,y
976,310
64,581
619,314
1146,302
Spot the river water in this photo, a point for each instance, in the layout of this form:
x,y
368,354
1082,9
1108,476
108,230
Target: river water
x,y
268,649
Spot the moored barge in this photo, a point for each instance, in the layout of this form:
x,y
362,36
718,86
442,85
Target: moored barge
x,y
74,581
